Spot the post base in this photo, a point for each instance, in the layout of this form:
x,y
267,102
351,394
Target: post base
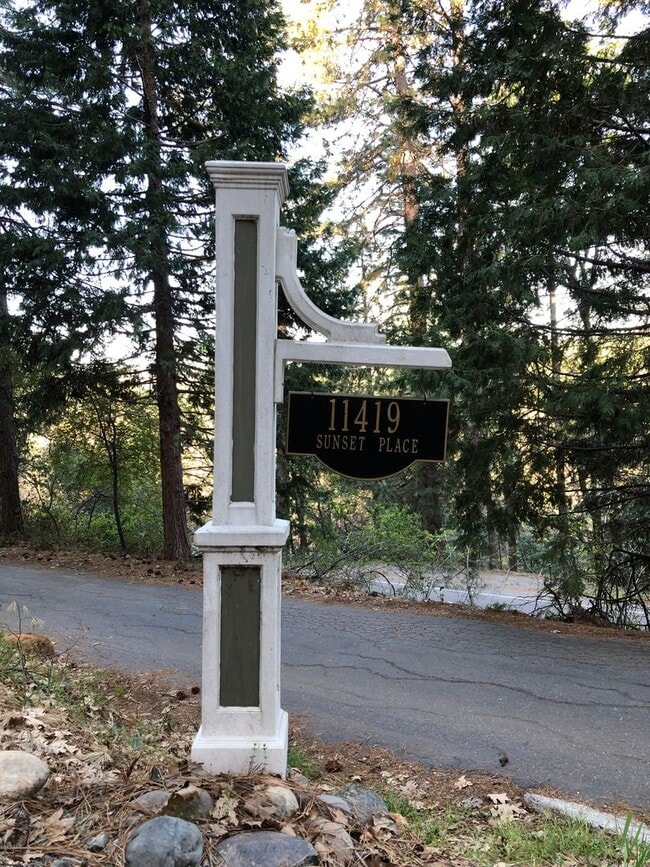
x,y
220,754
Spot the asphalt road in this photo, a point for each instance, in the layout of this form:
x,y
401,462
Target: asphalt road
x,y
567,711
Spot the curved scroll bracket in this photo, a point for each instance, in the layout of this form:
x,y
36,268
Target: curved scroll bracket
x,y
354,343
333,329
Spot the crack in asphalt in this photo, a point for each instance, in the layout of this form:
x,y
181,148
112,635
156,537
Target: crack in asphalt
x,y
420,678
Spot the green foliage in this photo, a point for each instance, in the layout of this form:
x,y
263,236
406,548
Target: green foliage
x,y
79,482
303,762
635,851
372,541
108,115
555,841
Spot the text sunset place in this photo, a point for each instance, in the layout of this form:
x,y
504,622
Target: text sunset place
x,y
366,437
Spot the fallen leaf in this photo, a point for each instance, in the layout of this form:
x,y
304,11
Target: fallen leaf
x,y
224,809
462,783
218,830
56,827
499,798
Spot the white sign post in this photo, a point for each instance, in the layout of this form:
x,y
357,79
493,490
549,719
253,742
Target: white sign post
x,y
243,728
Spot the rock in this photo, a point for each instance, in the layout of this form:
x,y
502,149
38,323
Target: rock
x,y
21,774
472,803
97,843
297,777
283,800
31,642
151,802
164,842
264,849
582,813
189,803
334,802
364,802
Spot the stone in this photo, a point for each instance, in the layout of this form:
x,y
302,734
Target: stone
x,y
33,643
21,774
363,801
264,849
472,803
283,800
189,803
97,843
582,813
151,802
297,777
334,802
164,842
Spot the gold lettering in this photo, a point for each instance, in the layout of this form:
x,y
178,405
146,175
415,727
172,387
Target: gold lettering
x,y
394,414
339,442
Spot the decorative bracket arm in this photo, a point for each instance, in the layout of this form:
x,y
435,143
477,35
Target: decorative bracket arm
x,y
335,330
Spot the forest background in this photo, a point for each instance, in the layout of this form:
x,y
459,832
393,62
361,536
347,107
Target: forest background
x,y
471,174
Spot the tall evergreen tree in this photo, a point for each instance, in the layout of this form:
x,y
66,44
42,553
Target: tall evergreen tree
x,y
546,214
520,245
126,101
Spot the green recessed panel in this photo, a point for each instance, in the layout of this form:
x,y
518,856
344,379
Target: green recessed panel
x,y
244,379
240,636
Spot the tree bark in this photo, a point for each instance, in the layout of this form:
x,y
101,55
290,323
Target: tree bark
x,y
11,516
175,536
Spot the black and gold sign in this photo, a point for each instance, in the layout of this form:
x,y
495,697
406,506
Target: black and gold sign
x,y
366,437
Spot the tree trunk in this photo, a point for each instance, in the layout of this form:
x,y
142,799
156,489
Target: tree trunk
x,y
175,537
11,516
561,501
108,433
176,543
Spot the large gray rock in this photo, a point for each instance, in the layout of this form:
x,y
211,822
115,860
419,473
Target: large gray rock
x,y
334,802
284,801
164,842
265,849
364,802
21,774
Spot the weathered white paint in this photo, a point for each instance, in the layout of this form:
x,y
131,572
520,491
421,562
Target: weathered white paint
x,y
359,354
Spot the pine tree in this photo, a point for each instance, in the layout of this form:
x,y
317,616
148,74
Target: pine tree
x,y
519,245
126,101
547,211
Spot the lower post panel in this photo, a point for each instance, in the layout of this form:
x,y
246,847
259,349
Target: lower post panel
x,y
243,729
